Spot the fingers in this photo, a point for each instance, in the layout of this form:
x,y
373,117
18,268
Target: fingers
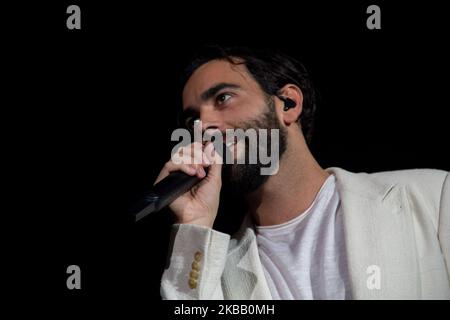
x,y
190,154
189,159
171,167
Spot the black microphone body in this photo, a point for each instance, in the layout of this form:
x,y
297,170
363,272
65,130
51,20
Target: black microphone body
x,y
164,192
171,187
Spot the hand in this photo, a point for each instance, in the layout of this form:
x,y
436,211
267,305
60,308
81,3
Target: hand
x,y
200,204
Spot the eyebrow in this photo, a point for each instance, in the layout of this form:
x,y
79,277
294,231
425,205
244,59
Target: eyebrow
x,y
211,92
206,95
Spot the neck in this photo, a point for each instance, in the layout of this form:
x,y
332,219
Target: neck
x,y
292,190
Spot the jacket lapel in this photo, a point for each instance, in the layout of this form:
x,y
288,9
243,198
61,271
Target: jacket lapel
x,y
243,269
379,238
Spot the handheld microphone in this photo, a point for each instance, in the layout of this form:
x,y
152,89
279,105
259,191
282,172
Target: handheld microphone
x,y
164,193
168,189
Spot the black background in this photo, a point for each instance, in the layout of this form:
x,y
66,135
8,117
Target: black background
x,y
97,107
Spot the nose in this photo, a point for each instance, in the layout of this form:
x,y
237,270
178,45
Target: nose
x,y
210,120
212,124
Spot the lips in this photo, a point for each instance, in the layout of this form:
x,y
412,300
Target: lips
x,y
231,143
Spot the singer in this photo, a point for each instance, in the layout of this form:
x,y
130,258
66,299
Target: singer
x,y
309,232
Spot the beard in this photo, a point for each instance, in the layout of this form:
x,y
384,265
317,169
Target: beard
x,y
243,179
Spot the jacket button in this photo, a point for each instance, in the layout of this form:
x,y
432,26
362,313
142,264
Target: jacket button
x,y
193,274
192,283
196,266
197,256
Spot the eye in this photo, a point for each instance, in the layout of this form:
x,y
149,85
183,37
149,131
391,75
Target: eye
x,y
223,97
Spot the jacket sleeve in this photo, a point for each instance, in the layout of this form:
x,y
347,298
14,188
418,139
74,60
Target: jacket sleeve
x,y
444,222
196,260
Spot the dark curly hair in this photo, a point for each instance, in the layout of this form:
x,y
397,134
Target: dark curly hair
x,y
271,69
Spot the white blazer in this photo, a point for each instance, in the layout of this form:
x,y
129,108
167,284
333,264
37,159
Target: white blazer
x,y
398,221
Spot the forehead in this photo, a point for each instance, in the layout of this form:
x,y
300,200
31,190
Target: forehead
x,y
215,72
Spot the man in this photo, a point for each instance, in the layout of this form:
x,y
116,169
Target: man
x,y
309,233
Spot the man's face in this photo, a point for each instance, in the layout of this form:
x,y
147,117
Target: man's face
x,y
225,96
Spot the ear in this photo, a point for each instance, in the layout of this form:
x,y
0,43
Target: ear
x,y
294,93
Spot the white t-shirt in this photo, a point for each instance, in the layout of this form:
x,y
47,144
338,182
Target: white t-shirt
x,y
304,258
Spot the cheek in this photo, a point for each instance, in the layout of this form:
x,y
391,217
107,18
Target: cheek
x,y
244,111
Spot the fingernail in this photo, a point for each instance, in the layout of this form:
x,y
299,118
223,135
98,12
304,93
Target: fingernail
x,y
201,172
